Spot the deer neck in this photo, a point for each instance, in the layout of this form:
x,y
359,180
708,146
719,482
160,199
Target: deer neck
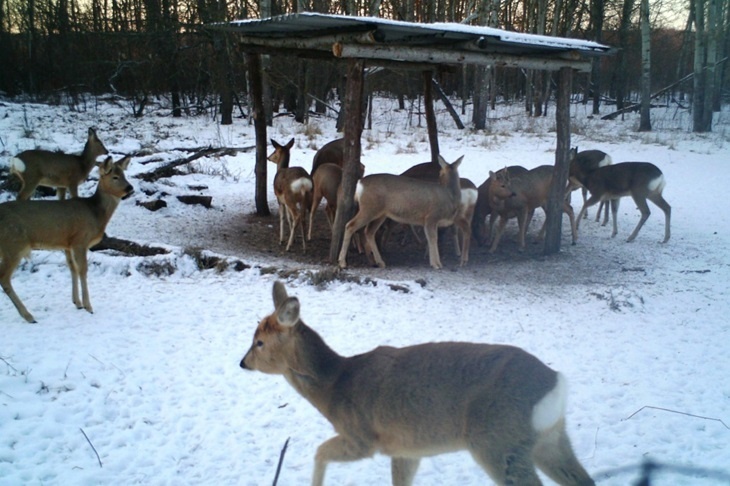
x,y
103,205
313,366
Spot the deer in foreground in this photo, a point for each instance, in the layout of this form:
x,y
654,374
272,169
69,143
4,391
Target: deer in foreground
x,y
582,164
487,205
331,153
55,169
293,191
405,200
528,191
73,225
640,180
500,403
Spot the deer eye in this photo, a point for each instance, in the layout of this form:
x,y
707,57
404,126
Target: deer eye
x,y
259,344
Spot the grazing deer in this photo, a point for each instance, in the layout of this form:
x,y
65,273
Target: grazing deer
x,y
582,164
293,190
405,200
55,169
527,191
640,180
331,153
72,225
327,182
500,403
487,205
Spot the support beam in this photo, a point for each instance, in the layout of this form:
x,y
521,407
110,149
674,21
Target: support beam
x,y
433,137
439,56
353,132
259,122
554,217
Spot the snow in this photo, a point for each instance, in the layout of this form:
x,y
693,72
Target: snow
x,y
151,381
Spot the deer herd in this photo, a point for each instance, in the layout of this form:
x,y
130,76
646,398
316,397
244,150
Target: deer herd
x,y
432,195
500,403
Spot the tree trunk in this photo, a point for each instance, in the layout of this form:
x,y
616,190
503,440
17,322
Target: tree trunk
x,y
259,120
645,123
433,137
623,46
353,132
597,12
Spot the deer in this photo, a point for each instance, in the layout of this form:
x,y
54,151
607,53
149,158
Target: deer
x,y
528,191
327,182
331,153
293,190
405,200
582,164
72,225
55,169
486,205
499,402
429,171
640,180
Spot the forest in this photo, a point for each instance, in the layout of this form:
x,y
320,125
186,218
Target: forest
x,y
162,55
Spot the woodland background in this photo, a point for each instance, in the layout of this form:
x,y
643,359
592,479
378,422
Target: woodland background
x,y
159,55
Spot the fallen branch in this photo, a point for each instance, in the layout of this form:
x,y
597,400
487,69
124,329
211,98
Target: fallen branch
x,y
281,461
92,446
127,247
167,169
681,413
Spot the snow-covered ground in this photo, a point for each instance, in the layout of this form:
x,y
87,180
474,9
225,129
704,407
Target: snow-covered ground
x,y
151,381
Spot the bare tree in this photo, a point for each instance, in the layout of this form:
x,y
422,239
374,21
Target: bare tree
x,y
645,123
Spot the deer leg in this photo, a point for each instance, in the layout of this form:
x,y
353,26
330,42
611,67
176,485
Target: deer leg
x,y
523,219
351,227
315,204
7,266
614,214
403,470
465,229
590,202
568,209
645,213
74,269
506,463
336,449
79,256
26,190
554,455
664,206
61,193
282,209
74,191
584,191
498,236
432,237
370,231
605,205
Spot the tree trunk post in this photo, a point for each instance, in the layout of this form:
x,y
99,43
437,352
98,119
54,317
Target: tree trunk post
x,y
259,122
353,131
554,217
433,137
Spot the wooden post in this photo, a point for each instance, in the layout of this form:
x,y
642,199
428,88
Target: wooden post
x,y
353,131
433,137
259,122
554,217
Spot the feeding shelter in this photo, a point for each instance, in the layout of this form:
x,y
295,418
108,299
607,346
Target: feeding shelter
x,y
372,41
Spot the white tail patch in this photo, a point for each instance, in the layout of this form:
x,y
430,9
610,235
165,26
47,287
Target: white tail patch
x,y
468,197
607,160
17,165
657,185
358,192
551,408
301,185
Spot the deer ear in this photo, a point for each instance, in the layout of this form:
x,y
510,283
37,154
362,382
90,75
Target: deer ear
x,y
456,164
274,143
279,294
287,314
124,163
442,161
290,144
106,166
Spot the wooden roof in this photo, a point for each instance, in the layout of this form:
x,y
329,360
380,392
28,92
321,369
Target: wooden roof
x,y
380,41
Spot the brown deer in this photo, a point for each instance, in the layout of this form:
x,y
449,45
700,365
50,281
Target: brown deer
x,y
331,153
293,190
582,164
327,182
55,169
500,403
72,225
487,205
528,191
405,200
640,180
